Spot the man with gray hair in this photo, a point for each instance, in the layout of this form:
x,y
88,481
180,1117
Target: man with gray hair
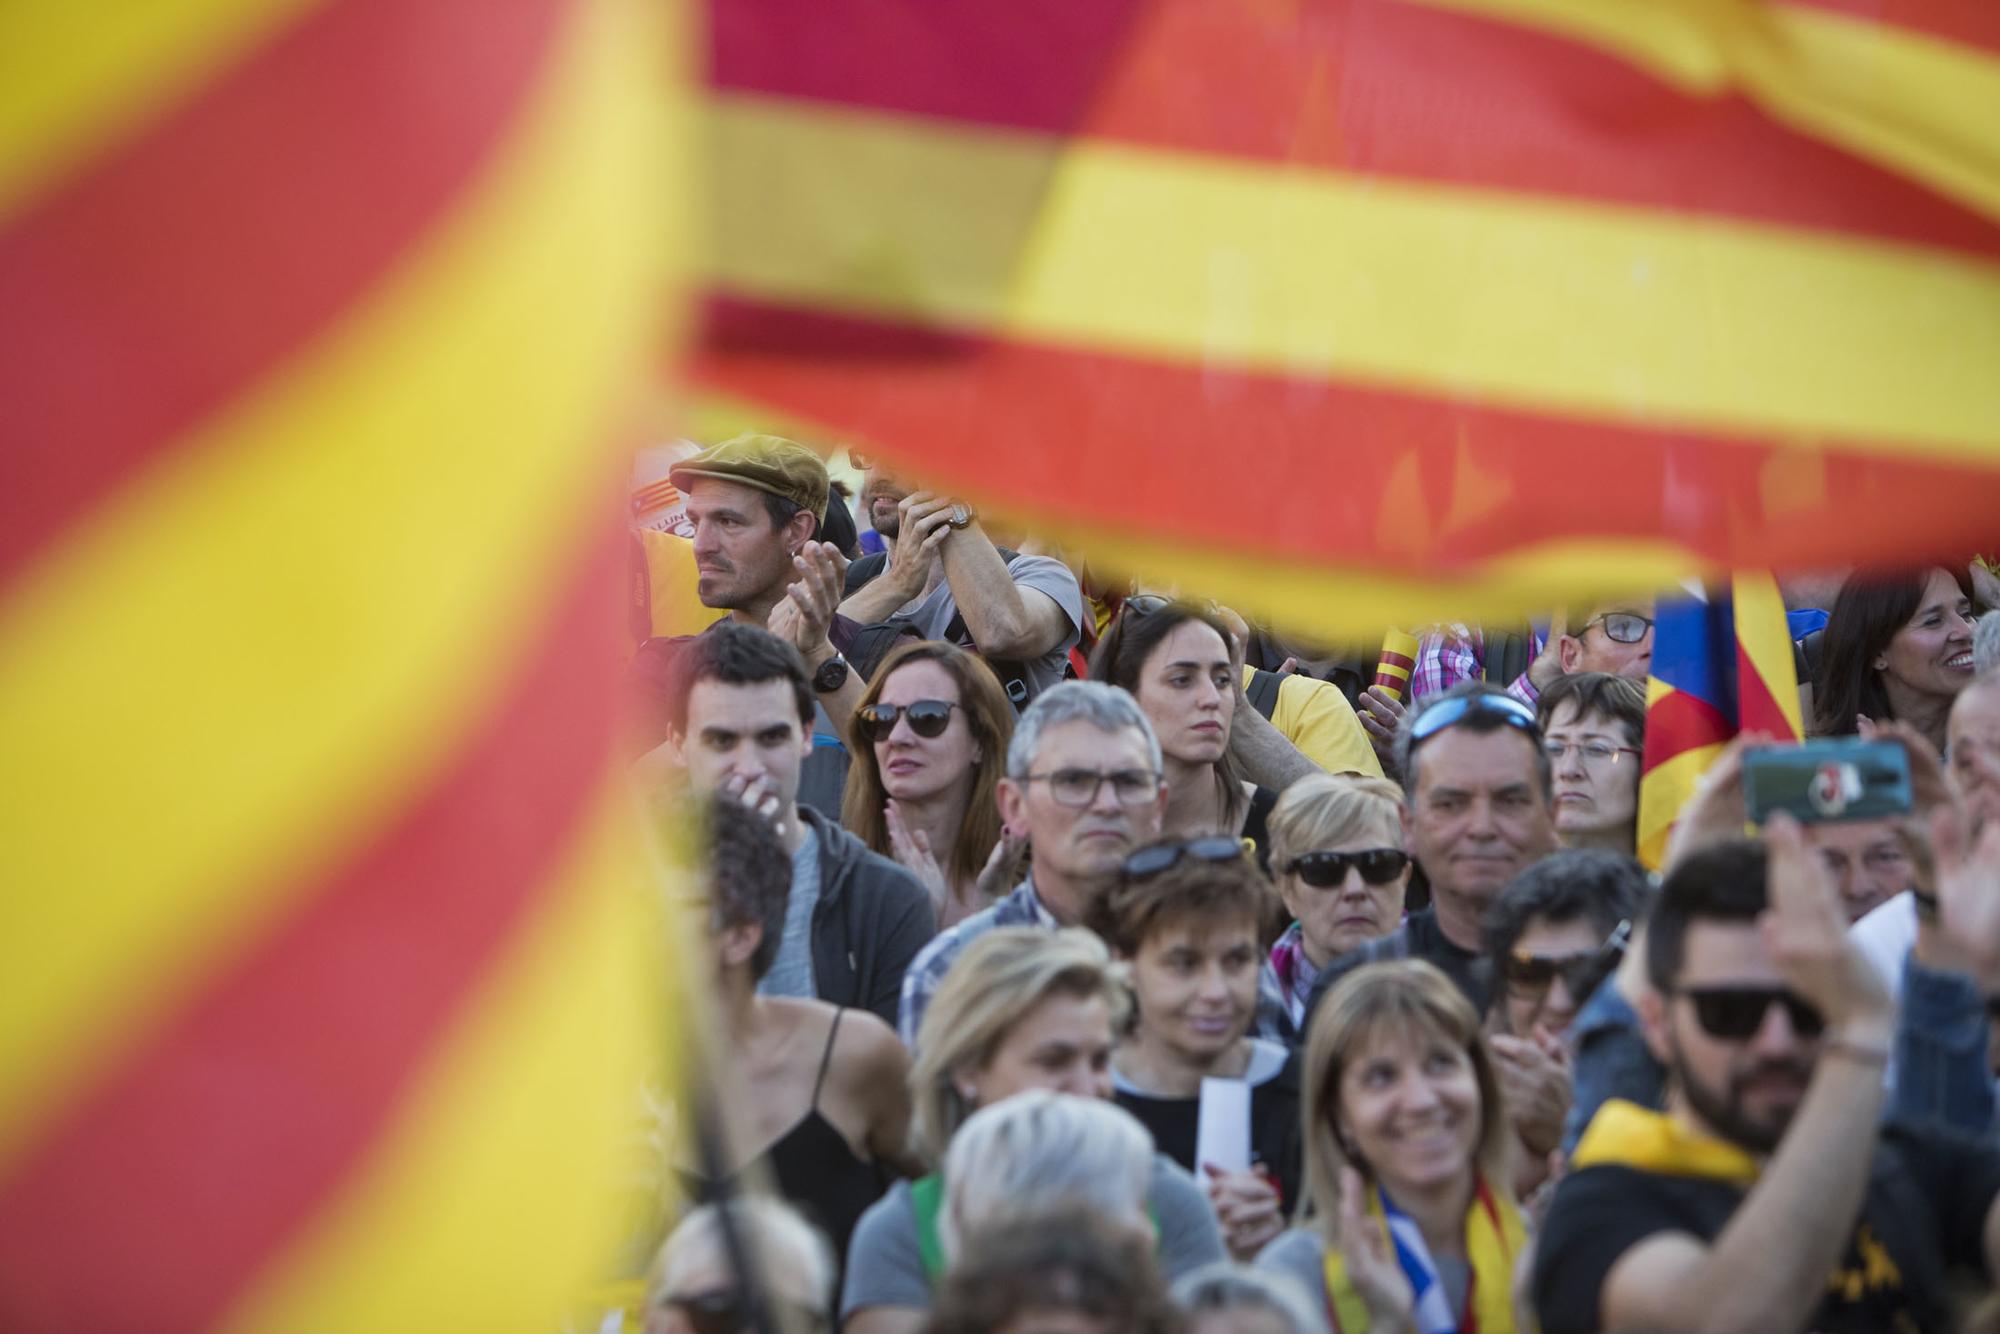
x,y
1083,784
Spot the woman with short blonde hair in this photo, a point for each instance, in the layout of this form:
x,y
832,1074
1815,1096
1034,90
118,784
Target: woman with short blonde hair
x,y
1337,860
1407,1160
1021,1009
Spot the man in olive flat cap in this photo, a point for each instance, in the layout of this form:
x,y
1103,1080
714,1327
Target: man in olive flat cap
x,y
756,502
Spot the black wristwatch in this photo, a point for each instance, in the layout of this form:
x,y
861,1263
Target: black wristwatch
x,y
831,676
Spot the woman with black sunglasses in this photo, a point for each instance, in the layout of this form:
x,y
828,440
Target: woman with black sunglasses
x,y
1337,858
929,741
1185,916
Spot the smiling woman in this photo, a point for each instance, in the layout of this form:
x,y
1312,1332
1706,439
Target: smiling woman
x,y
1895,647
1405,1154
1184,914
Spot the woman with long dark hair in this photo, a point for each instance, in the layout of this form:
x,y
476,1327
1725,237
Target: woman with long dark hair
x,y
929,741
1895,647
1179,662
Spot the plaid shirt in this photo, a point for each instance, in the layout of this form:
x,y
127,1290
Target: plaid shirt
x,y
933,961
1452,653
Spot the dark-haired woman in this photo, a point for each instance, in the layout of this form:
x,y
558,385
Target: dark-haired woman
x,y
1895,646
929,742
1177,661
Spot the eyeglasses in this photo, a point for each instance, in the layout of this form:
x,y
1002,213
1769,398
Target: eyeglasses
x,y
1622,627
928,718
1532,974
1157,857
1447,712
1594,752
1079,787
1327,870
1736,1013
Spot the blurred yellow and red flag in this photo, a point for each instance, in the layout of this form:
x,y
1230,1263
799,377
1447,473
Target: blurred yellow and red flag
x,y
322,934
1367,311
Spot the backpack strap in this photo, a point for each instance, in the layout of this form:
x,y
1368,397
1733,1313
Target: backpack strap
x,y
1506,657
1263,691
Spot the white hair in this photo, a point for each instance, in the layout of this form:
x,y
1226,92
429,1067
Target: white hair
x,y
1104,707
1986,644
1223,1286
793,1254
1038,1149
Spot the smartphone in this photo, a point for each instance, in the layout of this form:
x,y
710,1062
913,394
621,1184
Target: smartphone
x,y
1827,779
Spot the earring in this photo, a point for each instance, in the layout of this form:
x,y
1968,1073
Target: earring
x,y
1881,664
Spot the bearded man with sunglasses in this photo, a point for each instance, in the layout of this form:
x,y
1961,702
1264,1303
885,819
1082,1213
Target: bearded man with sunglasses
x,y
1767,1196
1083,784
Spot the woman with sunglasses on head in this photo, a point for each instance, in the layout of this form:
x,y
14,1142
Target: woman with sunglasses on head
x,y
1180,664
1022,1008
1184,916
692,1286
929,742
1337,858
1895,647
1413,1222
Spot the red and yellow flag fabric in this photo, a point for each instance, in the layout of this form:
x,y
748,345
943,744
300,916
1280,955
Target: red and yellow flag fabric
x,y
1721,665
322,931
1367,311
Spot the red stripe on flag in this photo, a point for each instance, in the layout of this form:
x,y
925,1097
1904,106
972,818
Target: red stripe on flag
x,y
1035,64
1395,89
1756,708
1680,722
165,1189
175,271
1343,501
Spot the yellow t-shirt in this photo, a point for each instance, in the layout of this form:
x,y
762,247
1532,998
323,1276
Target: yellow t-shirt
x,y
670,573
1314,716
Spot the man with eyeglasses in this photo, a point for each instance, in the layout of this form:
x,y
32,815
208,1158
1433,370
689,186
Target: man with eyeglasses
x,y
1749,1203
1083,783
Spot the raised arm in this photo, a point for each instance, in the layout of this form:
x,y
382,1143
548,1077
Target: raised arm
x,y
1767,1269
1005,619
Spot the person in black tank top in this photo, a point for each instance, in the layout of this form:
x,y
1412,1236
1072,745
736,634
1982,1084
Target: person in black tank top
x,y
814,1098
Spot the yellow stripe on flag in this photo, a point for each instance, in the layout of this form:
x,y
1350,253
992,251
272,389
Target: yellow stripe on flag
x,y
257,582
1662,793
1624,313
509,1157
1765,636
81,74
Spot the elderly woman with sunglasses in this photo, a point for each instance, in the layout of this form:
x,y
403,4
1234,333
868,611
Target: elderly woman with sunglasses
x,y
929,741
1184,915
1337,858
1413,1222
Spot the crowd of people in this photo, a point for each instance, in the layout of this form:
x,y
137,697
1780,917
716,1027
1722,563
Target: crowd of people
x,y
1085,959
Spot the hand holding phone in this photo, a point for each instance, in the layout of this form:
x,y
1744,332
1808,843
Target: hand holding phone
x,y
1827,779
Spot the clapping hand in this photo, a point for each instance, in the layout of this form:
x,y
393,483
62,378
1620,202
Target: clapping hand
x,y
1371,1262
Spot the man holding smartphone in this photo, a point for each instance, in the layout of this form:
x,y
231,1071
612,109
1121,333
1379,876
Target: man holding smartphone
x,y
1745,1205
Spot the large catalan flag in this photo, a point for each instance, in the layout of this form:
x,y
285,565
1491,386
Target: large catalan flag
x,y
1379,311
321,934
1722,665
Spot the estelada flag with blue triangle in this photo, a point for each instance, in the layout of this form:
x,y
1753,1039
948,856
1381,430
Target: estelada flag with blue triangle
x,y
1722,664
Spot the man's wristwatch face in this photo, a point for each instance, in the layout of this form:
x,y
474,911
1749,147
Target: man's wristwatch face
x,y
831,676
961,515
